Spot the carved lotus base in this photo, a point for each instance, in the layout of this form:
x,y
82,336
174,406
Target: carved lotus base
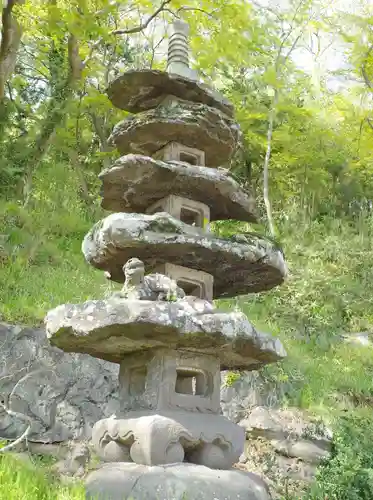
x,y
169,437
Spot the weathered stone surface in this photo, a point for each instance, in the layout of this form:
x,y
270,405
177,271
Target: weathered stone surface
x,y
169,380
191,124
136,182
138,286
140,90
110,329
293,443
75,464
251,264
283,424
117,481
250,390
304,449
65,400
296,469
166,437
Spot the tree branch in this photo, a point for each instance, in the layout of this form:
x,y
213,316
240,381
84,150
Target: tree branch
x,y
367,80
267,158
144,25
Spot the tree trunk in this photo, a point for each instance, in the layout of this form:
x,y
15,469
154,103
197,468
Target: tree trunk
x,y
99,127
55,116
267,201
11,33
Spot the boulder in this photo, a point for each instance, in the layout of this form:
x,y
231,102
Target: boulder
x,y
64,395
110,329
279,425
116,481
296,442
128,186
240,265
140,90
192,124
249,390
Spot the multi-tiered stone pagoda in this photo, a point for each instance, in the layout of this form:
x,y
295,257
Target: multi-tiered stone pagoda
x,y
170,440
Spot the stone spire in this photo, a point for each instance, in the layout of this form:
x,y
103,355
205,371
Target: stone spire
x,y
178,51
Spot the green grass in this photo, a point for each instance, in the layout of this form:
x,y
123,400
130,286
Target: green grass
x,y
20,480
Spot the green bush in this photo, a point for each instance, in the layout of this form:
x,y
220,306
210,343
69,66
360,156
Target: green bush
x,y
348,475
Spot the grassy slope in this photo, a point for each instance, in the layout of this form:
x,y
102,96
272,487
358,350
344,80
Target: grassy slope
x,y
21,480
329,291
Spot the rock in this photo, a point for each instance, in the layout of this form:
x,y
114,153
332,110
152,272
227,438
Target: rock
x,y
254,264
76,462
140,90
362,339
192,124
284,445
250,390
109,329
306,450
59,451
65,400
263,422
296,469
283,424
116,481
128,186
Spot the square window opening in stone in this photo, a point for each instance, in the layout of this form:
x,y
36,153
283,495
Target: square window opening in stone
x,y
137,380
192,288
189,158
191,217
192,382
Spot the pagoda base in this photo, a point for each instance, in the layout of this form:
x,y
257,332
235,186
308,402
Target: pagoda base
x,y
179,481
166,437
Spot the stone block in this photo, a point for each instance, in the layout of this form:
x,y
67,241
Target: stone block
x,y
170,380
188,211
174,151
193,282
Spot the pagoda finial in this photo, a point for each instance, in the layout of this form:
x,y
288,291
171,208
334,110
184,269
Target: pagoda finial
x,y
178,51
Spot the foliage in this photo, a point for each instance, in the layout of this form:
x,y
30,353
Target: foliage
x,y
19,479
349,473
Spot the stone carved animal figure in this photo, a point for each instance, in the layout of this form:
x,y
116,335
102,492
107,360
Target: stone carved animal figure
x,y
138,286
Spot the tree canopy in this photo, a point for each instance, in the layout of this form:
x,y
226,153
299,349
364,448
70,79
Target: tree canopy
x,y
309,141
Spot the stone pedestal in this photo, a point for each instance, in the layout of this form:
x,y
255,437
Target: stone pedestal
x,y
119,481
170,402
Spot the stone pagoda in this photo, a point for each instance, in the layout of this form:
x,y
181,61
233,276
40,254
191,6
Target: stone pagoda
x,y
170,440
